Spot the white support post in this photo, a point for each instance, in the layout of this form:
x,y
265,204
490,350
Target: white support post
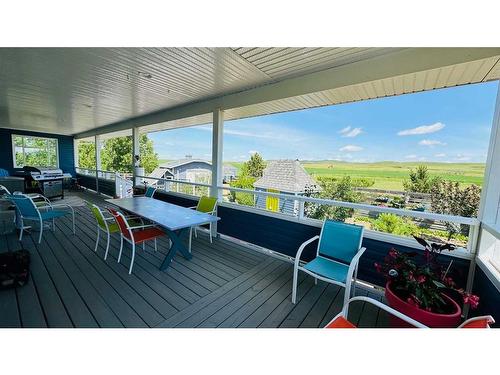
x,y
490,197
97,140
217,166
217,163
135,154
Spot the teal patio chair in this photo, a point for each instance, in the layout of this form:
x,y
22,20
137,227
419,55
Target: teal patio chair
x,y
29,211
207,205
337,256
149,193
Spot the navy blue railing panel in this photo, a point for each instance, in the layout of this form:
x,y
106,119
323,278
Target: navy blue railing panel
x,y
286,236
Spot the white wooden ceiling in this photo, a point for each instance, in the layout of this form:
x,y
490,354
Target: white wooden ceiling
x,y
74,90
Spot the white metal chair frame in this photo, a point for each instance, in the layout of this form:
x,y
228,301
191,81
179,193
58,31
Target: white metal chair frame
x,y
345,311
213,213
48,206
131,239
106,218
352,272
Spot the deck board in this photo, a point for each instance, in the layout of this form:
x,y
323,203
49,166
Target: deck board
x,y
225,284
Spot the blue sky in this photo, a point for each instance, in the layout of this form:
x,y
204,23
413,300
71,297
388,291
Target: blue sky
x,y
447,125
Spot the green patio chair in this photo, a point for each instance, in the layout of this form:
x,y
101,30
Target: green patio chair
x,y
206,205
107,224
337,256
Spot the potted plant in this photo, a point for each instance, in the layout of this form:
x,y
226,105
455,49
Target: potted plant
x,y
424,290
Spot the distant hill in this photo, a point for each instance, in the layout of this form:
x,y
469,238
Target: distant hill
x,y
390,175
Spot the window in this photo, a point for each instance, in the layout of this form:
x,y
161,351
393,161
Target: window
x,y
34,151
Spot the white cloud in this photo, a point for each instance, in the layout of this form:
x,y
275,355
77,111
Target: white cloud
x,y
353,133
251,152
412,156
424,129
260,130
431,142
351,148
440,155
461,157
345,130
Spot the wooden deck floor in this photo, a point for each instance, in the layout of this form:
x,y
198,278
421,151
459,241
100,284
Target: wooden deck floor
x,y
224,285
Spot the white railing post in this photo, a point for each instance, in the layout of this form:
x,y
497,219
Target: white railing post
x,y
301,210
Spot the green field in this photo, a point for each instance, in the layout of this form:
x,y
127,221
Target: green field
x,y
389,175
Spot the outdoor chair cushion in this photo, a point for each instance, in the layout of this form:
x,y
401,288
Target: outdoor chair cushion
x,y
340,322
206,204
147,234
113,226
328,268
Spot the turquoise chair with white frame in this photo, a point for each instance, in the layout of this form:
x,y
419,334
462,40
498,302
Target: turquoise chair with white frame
x,y
148,193
29,211
337,256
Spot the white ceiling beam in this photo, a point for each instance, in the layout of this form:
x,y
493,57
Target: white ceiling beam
x,y
392,64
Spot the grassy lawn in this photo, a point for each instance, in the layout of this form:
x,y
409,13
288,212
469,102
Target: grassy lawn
x,y
390,175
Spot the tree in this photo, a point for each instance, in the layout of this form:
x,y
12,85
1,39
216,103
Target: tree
x,y
116,154
420,181
86,155
149,158
340,190
254,167
448,198
243,182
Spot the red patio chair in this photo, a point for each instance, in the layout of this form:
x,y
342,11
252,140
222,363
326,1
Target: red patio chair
x,y
341,321
135,234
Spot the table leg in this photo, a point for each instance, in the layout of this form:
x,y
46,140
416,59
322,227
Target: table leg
x,y
177,246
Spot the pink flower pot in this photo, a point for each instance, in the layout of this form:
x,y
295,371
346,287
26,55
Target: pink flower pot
x,y
430,319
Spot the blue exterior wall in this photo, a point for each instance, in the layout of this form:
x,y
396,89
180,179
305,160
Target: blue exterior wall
x,y
65,149
489,297
286,236
286,206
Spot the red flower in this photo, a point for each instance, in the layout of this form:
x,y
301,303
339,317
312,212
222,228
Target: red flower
x,y
393,253
471,299
421,279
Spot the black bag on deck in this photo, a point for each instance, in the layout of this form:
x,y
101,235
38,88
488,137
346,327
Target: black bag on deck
x,y
14,269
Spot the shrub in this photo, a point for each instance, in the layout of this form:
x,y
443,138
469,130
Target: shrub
x,y
448,198
340,190
390,223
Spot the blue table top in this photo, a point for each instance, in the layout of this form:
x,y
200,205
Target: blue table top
x,y
167,215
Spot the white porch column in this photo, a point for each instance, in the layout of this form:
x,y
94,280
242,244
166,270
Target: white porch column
x,y
217,164
135,154
97,141
489,210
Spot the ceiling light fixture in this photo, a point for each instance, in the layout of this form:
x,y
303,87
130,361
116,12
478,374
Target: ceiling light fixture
x,y
145,75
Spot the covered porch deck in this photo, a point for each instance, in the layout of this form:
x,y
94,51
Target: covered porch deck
x,y
225,284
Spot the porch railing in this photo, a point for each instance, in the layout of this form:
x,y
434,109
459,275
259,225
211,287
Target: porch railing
x,y
111,183
296,210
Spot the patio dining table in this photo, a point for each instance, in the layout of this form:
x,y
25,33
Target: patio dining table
x,y
175,220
